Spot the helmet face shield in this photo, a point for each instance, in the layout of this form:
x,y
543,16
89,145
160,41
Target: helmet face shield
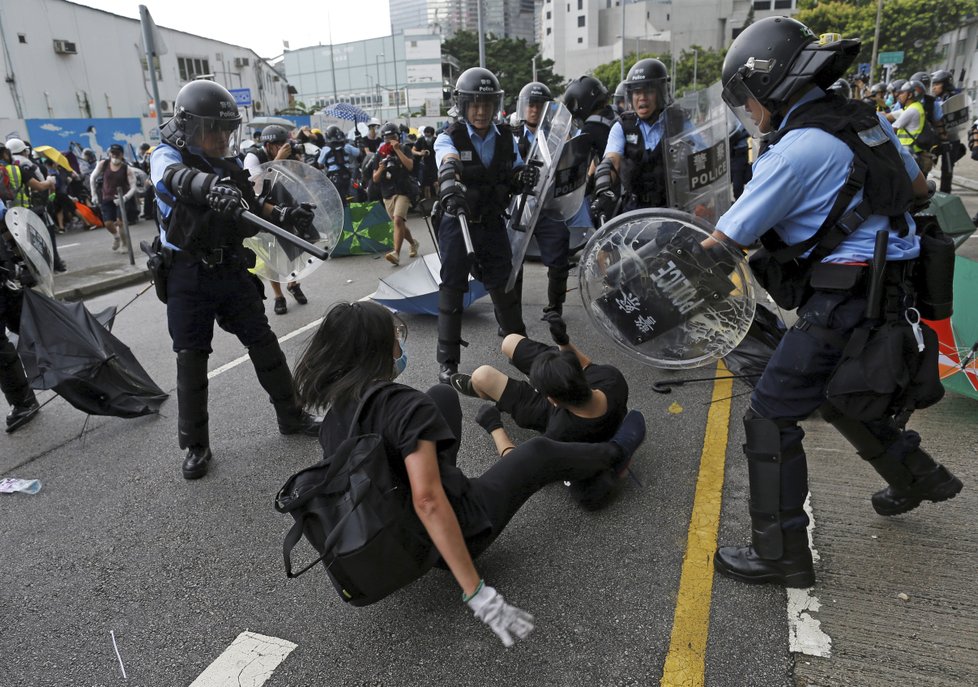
x,y
215,137
746,107
530,109
480,108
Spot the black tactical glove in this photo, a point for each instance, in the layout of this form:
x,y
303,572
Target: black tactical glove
x,y
488,418
225,199
603,205
527,177
295,218
558,328
454,204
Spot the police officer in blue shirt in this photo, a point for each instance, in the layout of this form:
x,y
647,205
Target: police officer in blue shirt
x,y
634,152
338,159
774,75
200,190
479,169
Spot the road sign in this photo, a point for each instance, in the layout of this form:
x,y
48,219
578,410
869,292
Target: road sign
x,y
890,57
242,96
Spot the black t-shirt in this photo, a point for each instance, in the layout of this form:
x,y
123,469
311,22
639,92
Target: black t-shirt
x,y
403,416
395,176
371,144
565,426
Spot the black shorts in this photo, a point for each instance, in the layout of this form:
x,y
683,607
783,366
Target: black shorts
x,y
529,408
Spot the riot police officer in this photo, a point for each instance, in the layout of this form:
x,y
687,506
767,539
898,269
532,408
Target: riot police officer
x,y
618,102
201,189
552,234
942,88
587,100
774,83
633,160
13,382
479,169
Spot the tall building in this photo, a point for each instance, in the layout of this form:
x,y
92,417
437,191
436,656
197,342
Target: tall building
x,y
502,18
578,35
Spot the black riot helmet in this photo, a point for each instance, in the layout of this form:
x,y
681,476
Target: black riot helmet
x,y
877,89
533,93
273,133
922,77
202,108
648,75
584,95
335,136
618,99
841,87
390,129
943,77
775,59
477,85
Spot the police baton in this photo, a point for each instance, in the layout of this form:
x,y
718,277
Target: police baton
x,y
874,302
264,225
463,224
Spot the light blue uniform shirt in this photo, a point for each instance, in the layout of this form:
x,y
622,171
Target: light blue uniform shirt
x,y
163,157
651,134
485,148
351,154
794,186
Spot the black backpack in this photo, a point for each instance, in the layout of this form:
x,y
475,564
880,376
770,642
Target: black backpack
x,y
358,515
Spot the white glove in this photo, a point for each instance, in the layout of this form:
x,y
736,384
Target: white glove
x,y
505,620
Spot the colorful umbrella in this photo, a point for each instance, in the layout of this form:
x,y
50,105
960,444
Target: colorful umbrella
x,y
414,288
958,334
346,111
54,156
367,229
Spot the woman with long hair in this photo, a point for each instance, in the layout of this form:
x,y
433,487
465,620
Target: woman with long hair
x,y
360,345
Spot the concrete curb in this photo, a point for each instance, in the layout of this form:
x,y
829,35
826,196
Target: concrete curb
x,y
965,183
97,287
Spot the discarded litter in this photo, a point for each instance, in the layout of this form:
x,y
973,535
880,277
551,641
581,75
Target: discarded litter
x,y
903,597
9,485
675,408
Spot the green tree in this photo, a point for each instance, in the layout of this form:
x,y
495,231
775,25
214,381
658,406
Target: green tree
x,y
511,60
910,26
704,64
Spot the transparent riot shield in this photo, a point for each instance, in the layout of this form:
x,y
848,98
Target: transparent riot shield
x,y
697,154
957,113
655,283
289,182
564,198
552,134
34,243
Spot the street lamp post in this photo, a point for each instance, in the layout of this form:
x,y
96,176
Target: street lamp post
x,y
377,63
622,40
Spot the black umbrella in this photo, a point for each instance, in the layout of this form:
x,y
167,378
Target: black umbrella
x,y
65,348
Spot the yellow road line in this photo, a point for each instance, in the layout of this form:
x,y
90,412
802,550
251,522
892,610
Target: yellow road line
x,y
686,661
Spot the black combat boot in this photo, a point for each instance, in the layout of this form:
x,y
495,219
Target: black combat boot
x,y
192,420
793,569
273,374
449,349
916,478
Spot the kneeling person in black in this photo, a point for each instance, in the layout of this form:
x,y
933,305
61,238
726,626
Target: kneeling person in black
x,y
568,398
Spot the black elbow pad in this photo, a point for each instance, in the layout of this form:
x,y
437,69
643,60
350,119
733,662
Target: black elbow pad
x,y
188,184
604,175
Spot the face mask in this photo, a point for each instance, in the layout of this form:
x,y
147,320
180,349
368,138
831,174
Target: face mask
x,y
400,364
889,101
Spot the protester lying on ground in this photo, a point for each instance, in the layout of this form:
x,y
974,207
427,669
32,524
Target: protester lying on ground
x,y
361,345
568,398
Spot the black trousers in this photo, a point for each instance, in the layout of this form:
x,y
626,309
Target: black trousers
x,y
503,489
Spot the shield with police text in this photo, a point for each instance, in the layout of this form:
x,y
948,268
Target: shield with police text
x,y
957,112
697,154
34,243
552,135
290,182
657,284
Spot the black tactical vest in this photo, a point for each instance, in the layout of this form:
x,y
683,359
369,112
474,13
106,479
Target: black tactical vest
x,y
643,171
487,189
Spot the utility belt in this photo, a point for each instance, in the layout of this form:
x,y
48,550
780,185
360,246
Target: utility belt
x,y
833,276
225,256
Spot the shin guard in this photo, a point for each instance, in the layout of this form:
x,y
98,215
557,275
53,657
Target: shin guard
x,y
450,305
192,398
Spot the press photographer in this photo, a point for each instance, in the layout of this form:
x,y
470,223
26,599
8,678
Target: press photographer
x,y
393,174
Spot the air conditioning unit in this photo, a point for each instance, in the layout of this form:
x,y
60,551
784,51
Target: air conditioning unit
x,y
65,47
256,105
241,61
166,107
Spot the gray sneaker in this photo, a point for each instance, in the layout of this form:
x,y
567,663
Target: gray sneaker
x,y
116,242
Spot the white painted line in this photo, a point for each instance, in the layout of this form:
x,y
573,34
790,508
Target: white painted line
x,y
805,634
67,245
237,361
248,662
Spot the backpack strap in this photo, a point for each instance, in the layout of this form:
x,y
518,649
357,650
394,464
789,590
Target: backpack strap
x,y
367,395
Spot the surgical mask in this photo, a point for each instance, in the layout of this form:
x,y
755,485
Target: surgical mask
x,y
889,101
400,364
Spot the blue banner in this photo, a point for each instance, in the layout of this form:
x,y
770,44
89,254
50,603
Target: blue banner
x,y
97,134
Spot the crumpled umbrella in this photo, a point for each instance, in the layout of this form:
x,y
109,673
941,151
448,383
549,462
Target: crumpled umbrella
x,y
414,288
65,348
367,228
346,111
958,335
